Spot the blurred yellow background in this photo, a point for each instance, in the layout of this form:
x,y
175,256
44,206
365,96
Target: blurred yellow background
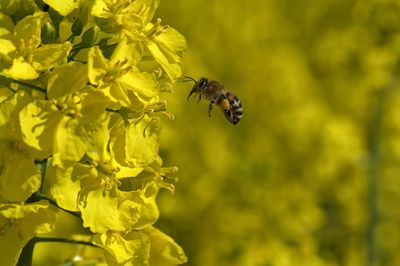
x,y
311,175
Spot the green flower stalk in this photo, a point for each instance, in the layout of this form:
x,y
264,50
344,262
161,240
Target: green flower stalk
x,y
80,118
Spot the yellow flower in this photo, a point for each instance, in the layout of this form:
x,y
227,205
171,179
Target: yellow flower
x,y
19,177
22,57
146,247
19,224
80,123
115,78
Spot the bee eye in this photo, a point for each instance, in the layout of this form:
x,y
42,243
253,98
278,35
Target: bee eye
x,y
202,84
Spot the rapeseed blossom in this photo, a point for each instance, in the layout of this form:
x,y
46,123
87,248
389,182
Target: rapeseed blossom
x,y
80,116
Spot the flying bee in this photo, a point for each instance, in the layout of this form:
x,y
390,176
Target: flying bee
x,y
216,93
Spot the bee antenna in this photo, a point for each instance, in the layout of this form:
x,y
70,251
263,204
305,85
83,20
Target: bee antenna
x,y
187,79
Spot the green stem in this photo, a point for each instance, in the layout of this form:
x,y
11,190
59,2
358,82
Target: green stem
x,y
71,38
72,55
30,86
39,196
26,257
43,168
75,214
112,111
63,240
373,179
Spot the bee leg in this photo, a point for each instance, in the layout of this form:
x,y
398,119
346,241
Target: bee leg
x,y
199,98
190,94
210,107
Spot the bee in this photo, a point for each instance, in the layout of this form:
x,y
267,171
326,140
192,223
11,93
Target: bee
x,y
216,93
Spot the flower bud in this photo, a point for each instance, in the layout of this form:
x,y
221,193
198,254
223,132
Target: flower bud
x,y
90,36
48,33
108,25
77,27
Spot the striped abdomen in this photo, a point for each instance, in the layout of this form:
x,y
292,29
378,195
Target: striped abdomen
x,y
235,111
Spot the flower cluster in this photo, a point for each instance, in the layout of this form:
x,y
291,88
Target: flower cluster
x,y
80,109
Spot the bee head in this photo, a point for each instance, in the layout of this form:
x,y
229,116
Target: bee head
x,y
200,85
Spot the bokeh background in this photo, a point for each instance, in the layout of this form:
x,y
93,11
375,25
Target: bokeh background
x,y
311,175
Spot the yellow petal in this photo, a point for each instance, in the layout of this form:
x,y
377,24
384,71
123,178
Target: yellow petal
x,y
48,56
66,79
63,185
6,25
97,65
27,32
100,9
19,177
9,115
101,210
142,83
167,61
64,7
19,224
164,250
70,142
6,46
142,142
172,39
115,92
20,70
127,249
39,124
96,126
106,209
